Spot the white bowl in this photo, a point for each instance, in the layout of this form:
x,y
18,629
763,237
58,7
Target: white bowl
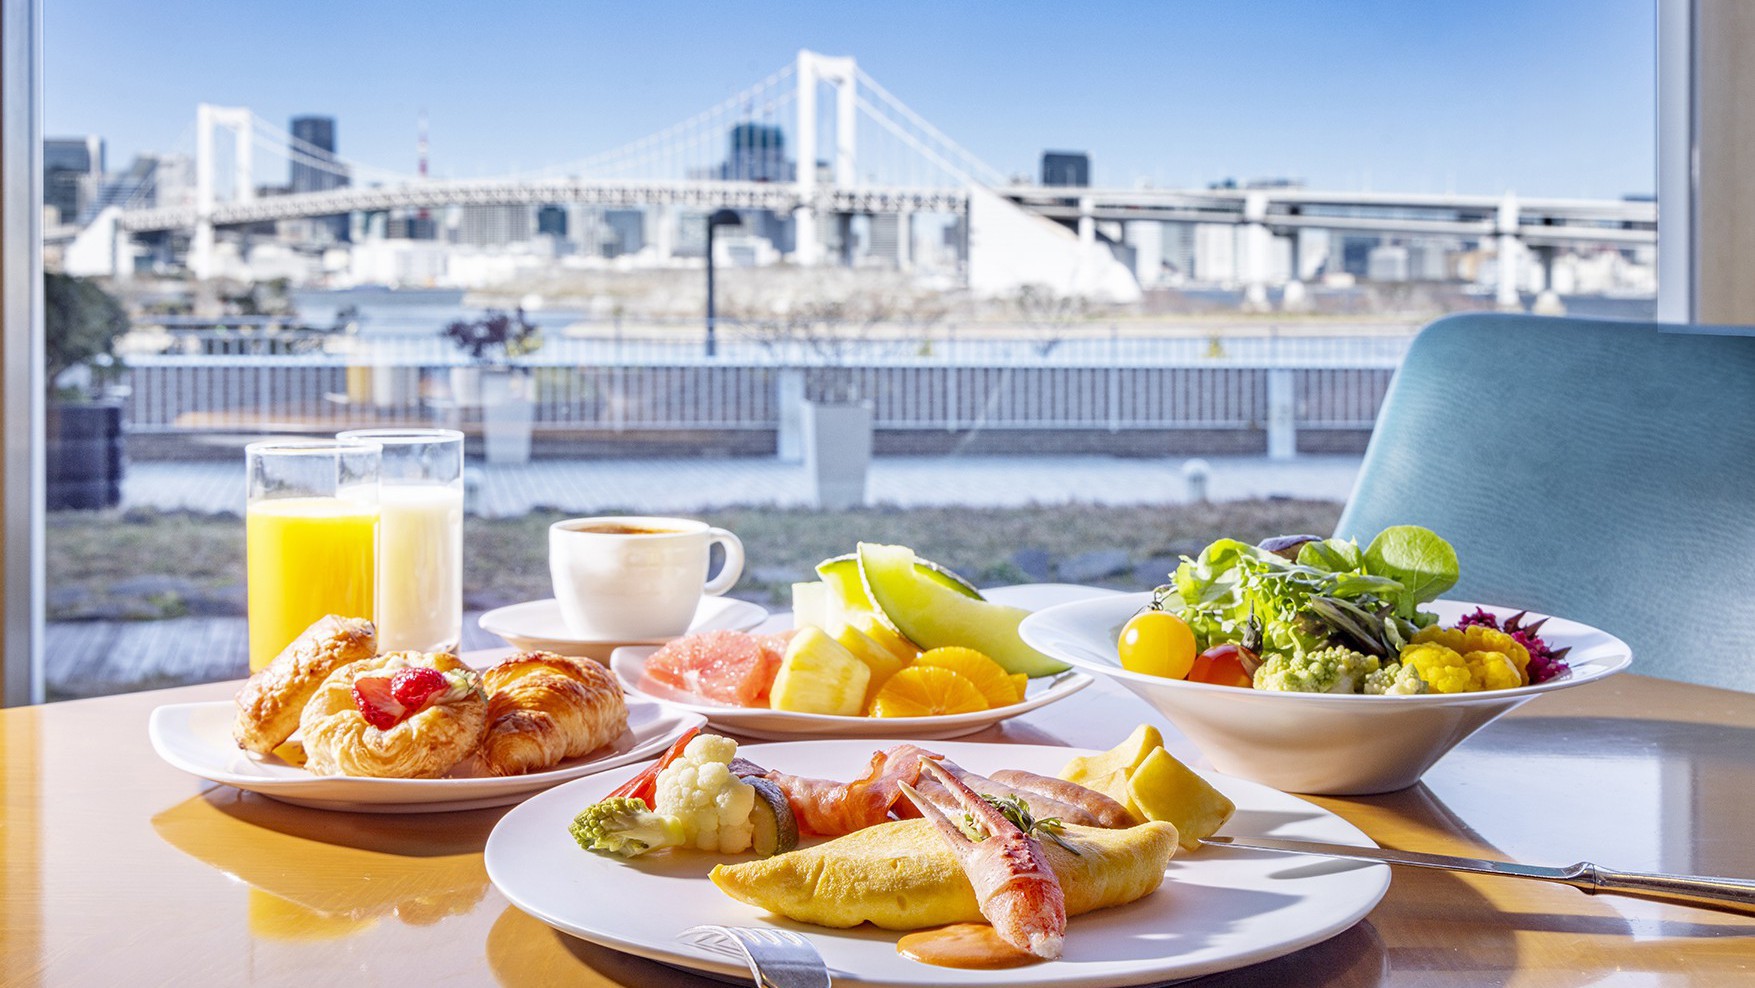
x,y
1323,744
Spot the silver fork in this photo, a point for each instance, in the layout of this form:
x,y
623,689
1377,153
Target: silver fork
x,y
777,958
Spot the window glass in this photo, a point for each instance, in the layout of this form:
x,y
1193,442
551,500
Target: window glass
x,y
1047,302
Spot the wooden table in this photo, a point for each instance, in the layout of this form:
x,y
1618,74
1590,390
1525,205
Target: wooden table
x,y
118,869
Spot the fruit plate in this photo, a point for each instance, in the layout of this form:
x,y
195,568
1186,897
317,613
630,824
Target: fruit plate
x,y
536,625
1218,908
197,738
629,664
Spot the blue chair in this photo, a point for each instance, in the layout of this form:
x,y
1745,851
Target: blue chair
x,y
1602,471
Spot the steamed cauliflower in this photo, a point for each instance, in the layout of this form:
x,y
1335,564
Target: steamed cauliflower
x,y
1480,640
1433,667
713,805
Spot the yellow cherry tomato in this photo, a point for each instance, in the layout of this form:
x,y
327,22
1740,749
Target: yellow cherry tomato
x,y
1157,643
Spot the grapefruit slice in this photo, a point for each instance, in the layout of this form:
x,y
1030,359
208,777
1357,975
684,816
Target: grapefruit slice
x,y
728,667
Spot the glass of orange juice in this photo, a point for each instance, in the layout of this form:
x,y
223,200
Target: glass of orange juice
x,y
310,537
420,538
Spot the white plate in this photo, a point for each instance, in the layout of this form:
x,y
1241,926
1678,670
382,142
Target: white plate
x,y
629,665
537,625
197,738
1217,909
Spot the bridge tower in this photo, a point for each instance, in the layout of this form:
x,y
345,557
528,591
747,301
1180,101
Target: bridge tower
x,y
237,119
843,74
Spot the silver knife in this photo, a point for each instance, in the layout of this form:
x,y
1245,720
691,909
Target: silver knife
x,y
1727,894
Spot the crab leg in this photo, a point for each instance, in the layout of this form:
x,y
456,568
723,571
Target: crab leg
x,y
1013,884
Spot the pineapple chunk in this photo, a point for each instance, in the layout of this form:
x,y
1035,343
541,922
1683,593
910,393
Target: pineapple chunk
x,y
819,676
1165,789
880,633
810,605
1114,785
1124,757
882,662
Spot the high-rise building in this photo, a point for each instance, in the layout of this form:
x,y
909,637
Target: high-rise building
x,y
1068,168
73,172
493,226
627,231
552,220
316,145
757,153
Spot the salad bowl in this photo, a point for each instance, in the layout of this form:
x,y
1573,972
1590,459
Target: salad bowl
x,y
1316,743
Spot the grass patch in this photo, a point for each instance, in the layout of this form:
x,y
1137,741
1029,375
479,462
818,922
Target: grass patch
x,y
506,560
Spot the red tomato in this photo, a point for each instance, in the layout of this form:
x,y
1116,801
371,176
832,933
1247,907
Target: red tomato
x,y
1224,665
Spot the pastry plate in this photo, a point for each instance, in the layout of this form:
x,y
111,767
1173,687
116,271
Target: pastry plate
x,y
1218,908
629,665
537,625
197,738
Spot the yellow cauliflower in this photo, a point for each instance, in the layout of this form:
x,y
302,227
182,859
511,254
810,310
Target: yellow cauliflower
x,y
1479,638
1492,670
1443,669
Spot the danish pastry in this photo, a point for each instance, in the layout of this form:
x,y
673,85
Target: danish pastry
x,y
404,715
543,708
270,703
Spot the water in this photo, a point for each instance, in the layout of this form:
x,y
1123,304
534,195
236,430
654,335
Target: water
x,y
383,311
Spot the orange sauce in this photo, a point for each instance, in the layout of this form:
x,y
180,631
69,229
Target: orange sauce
x,y
966,945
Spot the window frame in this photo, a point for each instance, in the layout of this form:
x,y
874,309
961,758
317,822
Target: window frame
x,y
21,353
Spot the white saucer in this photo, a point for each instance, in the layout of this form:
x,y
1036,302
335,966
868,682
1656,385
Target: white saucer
x,y
537,624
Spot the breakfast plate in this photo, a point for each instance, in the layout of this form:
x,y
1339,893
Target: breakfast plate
x,y
537,625
629,663
1218,908
197,738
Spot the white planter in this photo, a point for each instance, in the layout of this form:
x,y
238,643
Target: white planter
x,y
508,415
837,452
465,386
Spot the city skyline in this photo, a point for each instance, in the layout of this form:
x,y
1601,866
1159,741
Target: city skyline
x,y
1549,101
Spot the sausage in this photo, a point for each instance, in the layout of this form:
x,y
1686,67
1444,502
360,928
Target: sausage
x,y
1104,811
1042,806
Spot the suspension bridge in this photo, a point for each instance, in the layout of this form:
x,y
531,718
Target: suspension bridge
x,y
820,142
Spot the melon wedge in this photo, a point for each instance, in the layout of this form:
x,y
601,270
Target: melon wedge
x,y
842,576
932,615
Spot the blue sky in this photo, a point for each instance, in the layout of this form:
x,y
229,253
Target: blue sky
x,y
1548,97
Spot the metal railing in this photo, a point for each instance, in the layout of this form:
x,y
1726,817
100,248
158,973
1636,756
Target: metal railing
x,y
317,382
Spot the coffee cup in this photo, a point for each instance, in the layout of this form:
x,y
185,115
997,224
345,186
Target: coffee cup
x,y
633,578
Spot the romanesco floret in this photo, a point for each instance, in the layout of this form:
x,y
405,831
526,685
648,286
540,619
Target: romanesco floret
x,y
1327,670
713,804
1395,679
626,827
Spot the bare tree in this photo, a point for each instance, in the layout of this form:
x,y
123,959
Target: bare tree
x,y
1048,315
837,320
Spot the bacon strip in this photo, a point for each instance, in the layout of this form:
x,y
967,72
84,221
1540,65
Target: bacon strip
x,y
833,808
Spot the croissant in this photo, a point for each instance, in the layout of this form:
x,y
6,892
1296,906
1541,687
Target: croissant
x,y
270,703
425,742
543,708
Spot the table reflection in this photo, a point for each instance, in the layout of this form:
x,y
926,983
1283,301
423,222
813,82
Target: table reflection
x,y
318,875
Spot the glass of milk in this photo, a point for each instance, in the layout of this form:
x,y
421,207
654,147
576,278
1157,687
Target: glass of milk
x,y
420,537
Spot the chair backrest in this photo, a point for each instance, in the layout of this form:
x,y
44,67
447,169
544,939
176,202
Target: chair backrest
x,y
1602,471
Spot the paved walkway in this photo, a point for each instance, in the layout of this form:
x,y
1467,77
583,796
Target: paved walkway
x,y
683,485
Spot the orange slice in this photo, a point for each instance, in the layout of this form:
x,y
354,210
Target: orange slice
x,y
927,691
988,676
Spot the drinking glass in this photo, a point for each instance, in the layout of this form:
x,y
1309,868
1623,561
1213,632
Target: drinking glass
x,y
311,537
420,537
